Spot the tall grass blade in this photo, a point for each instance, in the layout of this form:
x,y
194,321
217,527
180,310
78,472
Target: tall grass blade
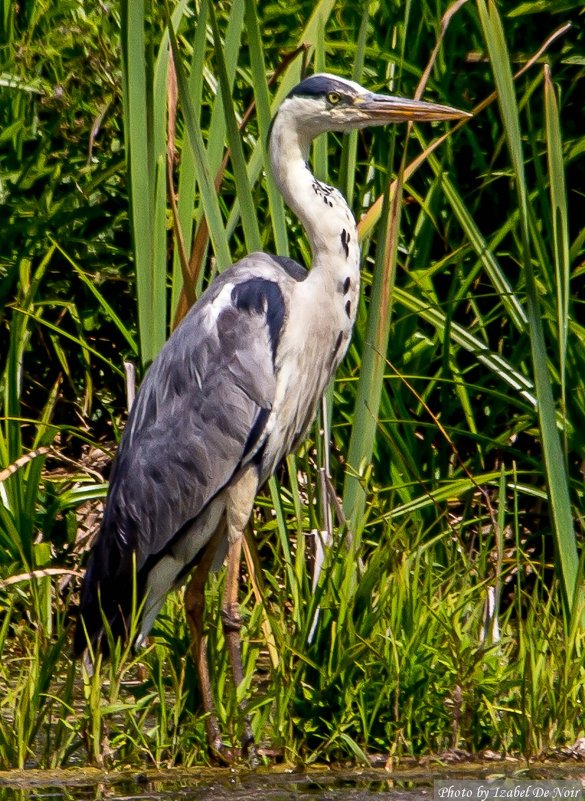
x,y
348,166
228,51
306,40
209,197
560,218
371,379
264,116
554,459
147,188
244,191
188,174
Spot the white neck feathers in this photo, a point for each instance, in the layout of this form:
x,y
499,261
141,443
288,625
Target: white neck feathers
x,y
321,209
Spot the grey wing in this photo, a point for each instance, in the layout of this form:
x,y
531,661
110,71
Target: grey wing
x,y
200,415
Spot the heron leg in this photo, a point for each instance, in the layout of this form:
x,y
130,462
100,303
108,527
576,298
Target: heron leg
x,y
239,508
195,610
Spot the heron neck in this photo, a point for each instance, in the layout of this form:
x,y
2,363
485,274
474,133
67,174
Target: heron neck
x,y
322,210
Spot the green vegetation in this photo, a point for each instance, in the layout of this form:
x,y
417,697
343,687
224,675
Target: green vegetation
x,y
457,420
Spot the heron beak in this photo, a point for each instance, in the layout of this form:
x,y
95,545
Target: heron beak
x,y
379,109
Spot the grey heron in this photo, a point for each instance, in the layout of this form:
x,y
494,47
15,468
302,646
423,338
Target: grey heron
x,y
232,392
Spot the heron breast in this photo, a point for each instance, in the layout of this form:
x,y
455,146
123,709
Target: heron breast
x,y
308,356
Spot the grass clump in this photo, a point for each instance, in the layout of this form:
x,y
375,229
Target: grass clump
x,y
399,667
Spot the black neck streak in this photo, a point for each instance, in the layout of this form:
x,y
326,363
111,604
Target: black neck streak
x,y
345,238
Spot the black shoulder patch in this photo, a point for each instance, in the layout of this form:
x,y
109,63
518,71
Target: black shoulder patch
x,y
292,267
260,296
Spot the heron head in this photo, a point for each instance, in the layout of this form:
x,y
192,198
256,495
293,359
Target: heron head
x,y
326,102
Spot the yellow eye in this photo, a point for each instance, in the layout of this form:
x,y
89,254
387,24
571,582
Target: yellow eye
x,y
333,98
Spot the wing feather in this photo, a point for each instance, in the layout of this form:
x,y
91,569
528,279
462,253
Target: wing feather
x,y
201,413
198,406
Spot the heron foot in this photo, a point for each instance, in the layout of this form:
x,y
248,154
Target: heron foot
x,y
225,755
249,751
231,618
222,753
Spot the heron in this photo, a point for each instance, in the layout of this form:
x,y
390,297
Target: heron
x,y
231,394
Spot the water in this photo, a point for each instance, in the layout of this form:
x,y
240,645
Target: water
x,y
261,785
223,785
